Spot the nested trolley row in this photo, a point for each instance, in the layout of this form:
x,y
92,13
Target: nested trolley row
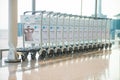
x,y
54,34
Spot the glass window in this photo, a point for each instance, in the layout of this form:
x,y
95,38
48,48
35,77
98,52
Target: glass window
x,y
24,5
4,14
63,6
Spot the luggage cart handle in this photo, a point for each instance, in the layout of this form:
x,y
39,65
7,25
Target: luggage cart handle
x,y
55,14
41,12
61,15
34,12
27,12
69,15
49,13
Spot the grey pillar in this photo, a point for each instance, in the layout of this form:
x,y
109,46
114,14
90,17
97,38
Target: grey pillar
x,y
33,12
81,7
95,8
99,11
33,6
12,32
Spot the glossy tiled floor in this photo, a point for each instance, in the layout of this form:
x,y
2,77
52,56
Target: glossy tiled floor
x,y
104,65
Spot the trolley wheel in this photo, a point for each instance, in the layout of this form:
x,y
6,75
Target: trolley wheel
x,y
65,51
33,55
106,45
94,47
110,45
43,54
59,52
76,50
97,47
70,50
51,53
81,49
90,47
101,47
85,48
24,55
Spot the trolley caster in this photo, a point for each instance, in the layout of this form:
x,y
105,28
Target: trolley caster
x,y
51,53
76,49
81,49
106,45
33,55
58,52
102,46
70,51
43,54
97,46
110,45
24,56
65,51
33,52
85,48
90,47
94,47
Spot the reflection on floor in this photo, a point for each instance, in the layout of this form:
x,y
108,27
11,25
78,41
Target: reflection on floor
x,y
104,65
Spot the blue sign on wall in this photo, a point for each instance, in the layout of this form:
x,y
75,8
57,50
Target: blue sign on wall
x,y
115,25
20,30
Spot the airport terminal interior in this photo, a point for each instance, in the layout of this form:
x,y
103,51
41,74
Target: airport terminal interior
x,y
52,40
